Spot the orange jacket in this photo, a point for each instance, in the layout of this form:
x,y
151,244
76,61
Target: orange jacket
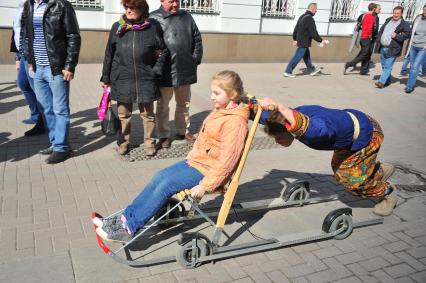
x,y
219,145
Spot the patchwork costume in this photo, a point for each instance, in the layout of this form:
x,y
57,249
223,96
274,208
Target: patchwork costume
x,y
355,139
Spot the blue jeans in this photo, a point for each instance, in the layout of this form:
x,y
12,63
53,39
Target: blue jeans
x,y
405,65
26,84
165,184
387,65
417,55
53,96
301,52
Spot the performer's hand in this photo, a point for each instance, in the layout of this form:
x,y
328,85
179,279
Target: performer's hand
x,y
267,103
68,76
294,43
198,192
17,65
104,85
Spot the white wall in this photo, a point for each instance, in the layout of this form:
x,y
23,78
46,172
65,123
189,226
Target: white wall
x,y
236,16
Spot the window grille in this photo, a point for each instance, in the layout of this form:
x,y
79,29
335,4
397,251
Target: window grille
x,y
200,6
278,8
91,4
412,8
343,10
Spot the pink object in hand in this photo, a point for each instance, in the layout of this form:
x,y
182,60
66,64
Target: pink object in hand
x,y
103,104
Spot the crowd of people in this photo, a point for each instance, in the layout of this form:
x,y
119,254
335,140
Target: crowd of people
x,y
151,57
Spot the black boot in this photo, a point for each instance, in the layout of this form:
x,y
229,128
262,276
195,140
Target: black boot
x,y
57,157
38,129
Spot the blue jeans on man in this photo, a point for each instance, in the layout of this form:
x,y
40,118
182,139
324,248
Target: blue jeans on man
x,y
301,52
387,65
26,84
163,185
53,95
417,56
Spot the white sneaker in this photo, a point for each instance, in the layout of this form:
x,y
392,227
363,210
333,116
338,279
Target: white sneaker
x,y
314,72
288,75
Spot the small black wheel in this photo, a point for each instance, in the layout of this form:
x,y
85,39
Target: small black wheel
x,y
185,256
298,191
176,213
339,218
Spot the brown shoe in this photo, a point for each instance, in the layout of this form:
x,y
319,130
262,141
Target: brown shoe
x,y
123,149
150,151
387,204
387,170
379,85
164,143
188,137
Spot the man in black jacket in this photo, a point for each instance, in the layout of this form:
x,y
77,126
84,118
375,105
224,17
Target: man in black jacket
x,y
368,25
389,43
304,31
53,48
183,40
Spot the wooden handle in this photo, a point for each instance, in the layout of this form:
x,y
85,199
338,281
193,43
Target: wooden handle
x,y
232,189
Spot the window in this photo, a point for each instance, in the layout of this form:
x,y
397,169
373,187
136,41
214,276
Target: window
x,y
278,8
343,10
200,6
412,8
90,4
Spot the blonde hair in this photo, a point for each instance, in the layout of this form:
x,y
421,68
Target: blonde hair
x,y
231,83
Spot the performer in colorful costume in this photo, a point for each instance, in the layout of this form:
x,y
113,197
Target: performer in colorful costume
x,y
354,137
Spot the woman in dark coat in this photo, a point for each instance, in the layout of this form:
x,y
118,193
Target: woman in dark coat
x,y
133,64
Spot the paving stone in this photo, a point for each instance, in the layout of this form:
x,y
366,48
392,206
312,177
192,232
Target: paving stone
x,y
214,277
368,279
243,280
399,270
250,259
277,276
256,274
380,252
419,277
404,280
297,270
374,263
300,280
272,265
189,274
327,252
351,279
382,276
313,261
417,265
357,269
160,278
350,257
409,240
418,252
25,240
233,268
397,246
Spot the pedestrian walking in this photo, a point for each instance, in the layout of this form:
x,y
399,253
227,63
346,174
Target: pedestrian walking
x,y
183,40
368,24
53,48
304,31
134,58
389,43
417,49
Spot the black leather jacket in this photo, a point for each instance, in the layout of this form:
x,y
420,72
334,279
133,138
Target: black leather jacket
x,y
306,30
403,32
183,40
61,32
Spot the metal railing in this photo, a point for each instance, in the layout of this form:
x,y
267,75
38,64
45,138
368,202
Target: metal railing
x,y
89,4
343,10
412,8
278,8
200,6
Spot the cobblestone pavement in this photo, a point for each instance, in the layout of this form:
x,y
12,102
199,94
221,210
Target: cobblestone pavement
x,y
45,231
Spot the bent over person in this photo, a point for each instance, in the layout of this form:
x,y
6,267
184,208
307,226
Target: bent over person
x,y
354,137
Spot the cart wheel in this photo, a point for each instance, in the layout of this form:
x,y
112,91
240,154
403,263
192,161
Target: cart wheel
x,y
184,254
297,191
176,213
337,219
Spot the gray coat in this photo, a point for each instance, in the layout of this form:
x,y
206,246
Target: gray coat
x,y
183,40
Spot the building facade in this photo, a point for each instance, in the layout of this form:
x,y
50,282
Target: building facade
x,y
237,23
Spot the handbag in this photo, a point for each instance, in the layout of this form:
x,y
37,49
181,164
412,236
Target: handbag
x,y
110,123
103,104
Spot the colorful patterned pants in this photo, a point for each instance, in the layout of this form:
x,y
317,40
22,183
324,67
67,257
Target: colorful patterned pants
x,y
358,171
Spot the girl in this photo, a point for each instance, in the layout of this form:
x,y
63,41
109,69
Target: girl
x,y
209,164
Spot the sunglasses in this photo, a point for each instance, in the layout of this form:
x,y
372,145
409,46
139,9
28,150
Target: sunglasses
x,y
132,8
